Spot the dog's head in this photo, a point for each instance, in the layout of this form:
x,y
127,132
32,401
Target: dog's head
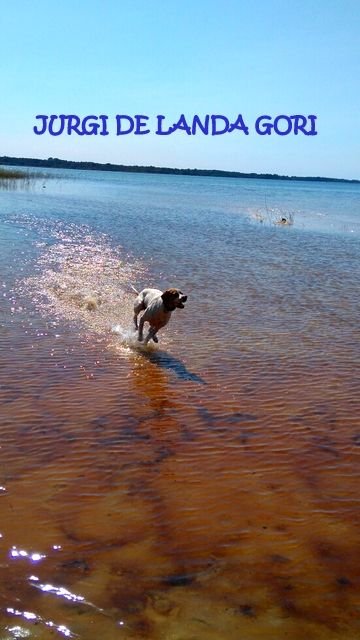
x,y
173,298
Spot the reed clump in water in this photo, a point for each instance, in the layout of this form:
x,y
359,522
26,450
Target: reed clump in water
x,y
13,178
12,174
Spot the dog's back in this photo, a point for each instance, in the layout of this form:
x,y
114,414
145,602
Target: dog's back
x,y
145,298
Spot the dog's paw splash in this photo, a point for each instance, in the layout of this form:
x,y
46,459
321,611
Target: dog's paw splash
x,y
129,338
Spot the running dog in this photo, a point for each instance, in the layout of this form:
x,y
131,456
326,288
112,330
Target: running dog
x,y
158,307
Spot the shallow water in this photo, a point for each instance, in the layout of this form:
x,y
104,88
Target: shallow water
x,y
205,487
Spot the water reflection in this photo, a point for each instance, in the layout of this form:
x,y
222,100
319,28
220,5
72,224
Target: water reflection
x,y
20,632
60,591
21,553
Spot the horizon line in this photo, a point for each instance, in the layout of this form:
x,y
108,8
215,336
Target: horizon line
x,y
59,163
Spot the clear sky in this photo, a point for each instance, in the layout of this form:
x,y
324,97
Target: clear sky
x,y
193,57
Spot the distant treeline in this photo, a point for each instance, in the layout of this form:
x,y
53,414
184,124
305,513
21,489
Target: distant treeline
x,y
57,163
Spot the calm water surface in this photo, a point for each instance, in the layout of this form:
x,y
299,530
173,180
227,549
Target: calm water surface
x,y
206,488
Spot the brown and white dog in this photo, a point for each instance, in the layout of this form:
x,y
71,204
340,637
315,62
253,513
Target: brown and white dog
x,y
158,307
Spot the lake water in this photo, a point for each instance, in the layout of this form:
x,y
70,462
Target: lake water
x,y
205,488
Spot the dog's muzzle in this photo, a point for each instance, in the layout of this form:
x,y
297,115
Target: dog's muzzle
x,y
182,300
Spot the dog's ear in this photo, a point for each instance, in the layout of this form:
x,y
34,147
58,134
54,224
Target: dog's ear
x,y
169,295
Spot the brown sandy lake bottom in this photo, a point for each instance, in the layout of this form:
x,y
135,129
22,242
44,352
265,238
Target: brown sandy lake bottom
x,y
205,488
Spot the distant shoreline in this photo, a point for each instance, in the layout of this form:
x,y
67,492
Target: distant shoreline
x,y
57,163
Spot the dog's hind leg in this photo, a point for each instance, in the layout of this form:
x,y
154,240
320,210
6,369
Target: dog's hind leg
x,y
138,306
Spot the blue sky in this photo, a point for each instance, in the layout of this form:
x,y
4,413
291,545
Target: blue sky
x,y
195,57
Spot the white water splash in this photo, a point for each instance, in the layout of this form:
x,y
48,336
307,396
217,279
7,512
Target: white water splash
x,y
80,277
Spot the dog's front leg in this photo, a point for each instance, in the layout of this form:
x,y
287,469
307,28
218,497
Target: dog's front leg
x,y
151,335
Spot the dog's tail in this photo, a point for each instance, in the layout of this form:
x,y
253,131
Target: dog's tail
x,y
133,288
